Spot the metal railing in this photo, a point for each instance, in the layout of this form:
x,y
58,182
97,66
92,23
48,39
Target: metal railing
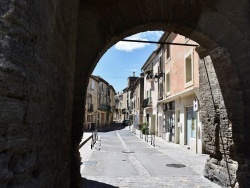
x,y
141,135
94,138
152,138
146,134
133,129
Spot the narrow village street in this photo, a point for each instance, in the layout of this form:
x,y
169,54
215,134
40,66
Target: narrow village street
x,y
122,159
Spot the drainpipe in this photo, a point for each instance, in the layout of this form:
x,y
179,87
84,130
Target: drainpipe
x,y
157,118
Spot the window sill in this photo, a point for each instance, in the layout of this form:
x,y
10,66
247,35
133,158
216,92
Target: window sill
x,y
168,59
188,84
168,94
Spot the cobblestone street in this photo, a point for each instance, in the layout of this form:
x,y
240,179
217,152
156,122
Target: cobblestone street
x,y
123,159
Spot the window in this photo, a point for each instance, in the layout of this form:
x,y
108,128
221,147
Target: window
x,y
167,52
160,91
121,97
92,84
188,70
149,93
160,63
89,118
167,81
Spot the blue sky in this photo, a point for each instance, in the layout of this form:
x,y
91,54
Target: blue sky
x,y
124,58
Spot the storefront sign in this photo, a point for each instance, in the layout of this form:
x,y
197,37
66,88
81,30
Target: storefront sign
x,y
195,105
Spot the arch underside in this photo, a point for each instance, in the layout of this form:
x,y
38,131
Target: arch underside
x,y
209,25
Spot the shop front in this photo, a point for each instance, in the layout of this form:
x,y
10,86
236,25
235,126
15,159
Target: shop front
x,y
169,121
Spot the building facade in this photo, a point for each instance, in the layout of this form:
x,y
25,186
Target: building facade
x,y
138,97
171,92
181,122
150,69
91,107
99,103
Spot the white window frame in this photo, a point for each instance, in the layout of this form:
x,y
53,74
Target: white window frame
x,y
191,82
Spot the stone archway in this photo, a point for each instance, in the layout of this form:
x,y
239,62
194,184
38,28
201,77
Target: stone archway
x,y
42,77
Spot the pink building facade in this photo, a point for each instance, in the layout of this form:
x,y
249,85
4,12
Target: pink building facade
x,y
173,112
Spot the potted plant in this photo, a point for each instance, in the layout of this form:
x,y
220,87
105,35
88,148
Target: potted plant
x,y
144,128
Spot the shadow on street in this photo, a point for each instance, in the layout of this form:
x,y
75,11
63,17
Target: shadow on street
x,y
92,183
116,125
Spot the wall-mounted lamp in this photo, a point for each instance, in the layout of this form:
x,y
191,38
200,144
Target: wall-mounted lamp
x,y
156,77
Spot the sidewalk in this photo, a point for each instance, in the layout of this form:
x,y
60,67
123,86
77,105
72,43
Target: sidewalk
x,y
181,154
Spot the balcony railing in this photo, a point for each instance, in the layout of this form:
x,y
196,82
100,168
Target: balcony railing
x,y
147,102
104,107
150,77
124,110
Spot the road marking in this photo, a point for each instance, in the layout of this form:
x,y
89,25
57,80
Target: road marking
x,y
137,165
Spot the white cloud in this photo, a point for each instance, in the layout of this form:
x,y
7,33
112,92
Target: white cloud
x,y
152,34
145,36
130,46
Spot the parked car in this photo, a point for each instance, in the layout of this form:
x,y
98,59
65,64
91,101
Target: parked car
x,y
125,122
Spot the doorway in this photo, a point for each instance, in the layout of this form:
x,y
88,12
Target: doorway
x,y
190,124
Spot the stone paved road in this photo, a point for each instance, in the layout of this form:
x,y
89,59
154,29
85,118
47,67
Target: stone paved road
x,y
122,159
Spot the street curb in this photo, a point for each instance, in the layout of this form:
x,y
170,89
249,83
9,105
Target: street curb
x,y
85,141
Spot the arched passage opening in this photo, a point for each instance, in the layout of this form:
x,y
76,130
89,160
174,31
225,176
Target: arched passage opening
x,y
202,24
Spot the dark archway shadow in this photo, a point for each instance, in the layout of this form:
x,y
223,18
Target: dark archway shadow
x,y
91,183
209,25
115,126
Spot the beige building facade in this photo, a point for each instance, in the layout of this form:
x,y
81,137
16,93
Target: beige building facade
x,y
99,103
91,107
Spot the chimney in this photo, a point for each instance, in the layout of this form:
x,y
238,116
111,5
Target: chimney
x,y
133,74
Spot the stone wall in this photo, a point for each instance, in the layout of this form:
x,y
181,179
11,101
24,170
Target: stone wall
x,y
217,130
37,60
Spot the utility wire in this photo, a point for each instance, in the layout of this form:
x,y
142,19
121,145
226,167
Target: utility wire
x,y
155,42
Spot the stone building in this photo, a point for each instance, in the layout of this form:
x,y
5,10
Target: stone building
x,y
112,103
137,93
91,112
150,69
99,102
118,106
